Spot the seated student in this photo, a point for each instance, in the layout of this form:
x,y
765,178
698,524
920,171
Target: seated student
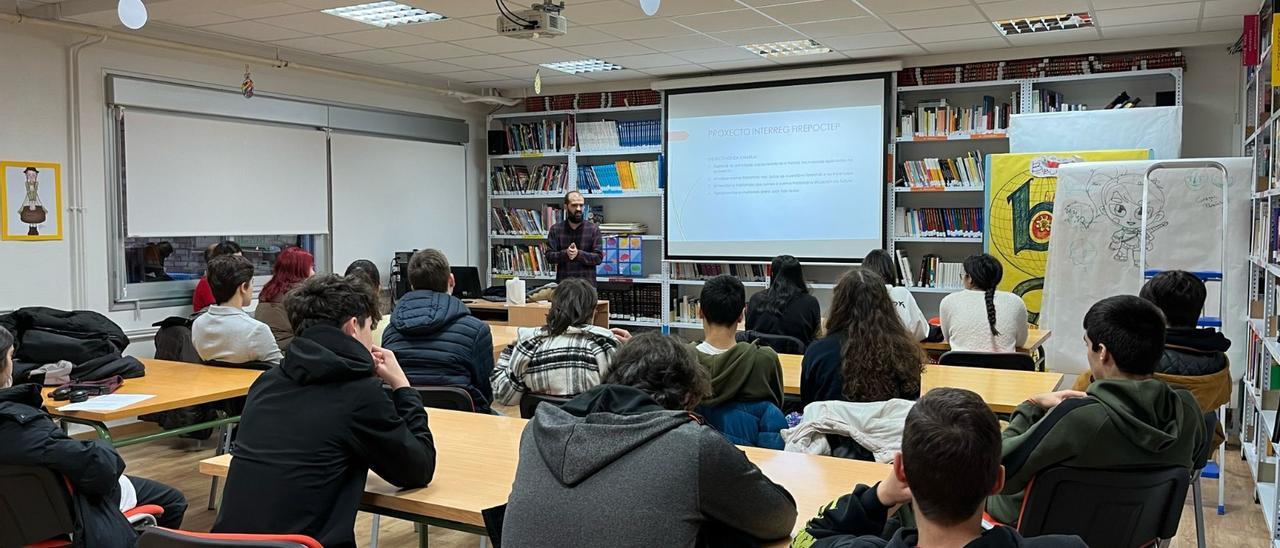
x,y
314,427
203,296
566,357
746,378
225,332
1126,419
903,301
292,266
981,319
435,335
867,355
949,464
29,437
786,307
368,272
626,464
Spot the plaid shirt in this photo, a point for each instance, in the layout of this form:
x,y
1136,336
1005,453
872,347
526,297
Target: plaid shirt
x,y
587,236
564,365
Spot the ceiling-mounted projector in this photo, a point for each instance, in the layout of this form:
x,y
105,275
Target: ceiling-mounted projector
x,y
542,21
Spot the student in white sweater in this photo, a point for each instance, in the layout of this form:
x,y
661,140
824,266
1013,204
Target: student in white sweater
x,y
903,301
981,319
225,332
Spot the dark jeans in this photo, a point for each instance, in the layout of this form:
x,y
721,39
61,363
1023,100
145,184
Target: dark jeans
x,y
159,494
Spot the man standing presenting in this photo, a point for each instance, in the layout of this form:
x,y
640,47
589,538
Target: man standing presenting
x,y
574,243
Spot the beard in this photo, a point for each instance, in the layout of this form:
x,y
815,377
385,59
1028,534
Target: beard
x,y
575,217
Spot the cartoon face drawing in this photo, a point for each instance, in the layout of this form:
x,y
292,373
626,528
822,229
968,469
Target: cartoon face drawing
x,y
1122,203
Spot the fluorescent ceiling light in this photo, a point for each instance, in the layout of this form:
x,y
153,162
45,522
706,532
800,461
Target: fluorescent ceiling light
x,y
787,49
584,65
385,14
1044,23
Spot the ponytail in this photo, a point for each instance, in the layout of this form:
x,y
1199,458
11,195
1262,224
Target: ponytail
x,y
985,273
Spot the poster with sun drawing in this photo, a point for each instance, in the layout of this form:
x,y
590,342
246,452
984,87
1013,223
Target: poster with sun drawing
x,y
30,201
1019,198
1097,244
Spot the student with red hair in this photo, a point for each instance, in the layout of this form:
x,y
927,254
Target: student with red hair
x,y
292,267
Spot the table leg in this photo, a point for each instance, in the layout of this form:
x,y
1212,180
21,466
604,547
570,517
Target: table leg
x,y
423,541
224,445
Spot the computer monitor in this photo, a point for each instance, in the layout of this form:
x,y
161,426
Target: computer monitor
x,y
466,282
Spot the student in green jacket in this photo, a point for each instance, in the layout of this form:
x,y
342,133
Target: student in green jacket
x,y
1125,419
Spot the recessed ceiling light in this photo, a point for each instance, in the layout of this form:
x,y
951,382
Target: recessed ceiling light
x,y
787,49
1044,23
385,14
584,65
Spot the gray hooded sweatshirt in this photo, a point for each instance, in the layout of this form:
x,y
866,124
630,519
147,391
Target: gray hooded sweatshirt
x,y
613,468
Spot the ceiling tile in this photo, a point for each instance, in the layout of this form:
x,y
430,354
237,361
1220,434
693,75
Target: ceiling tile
x,y
525,72
828,57
470,76
508,84
315,23
254,30
499,44
578,36
196,19
677,70
539,56
863,41
427,67
380,38
615,75
897,6
380,56
606,50
262,9
680,43
597,13
1055,37
808,12
1149,29
758,63
672,8
320,44
727,20
952,33
1230,22
758,36
935,18
892,51
456,9
484,62
436,50
320,4
977,44
451,29
1113,4
651,60
1011,9
1215,8
837,27
715,54
1137,16
643,28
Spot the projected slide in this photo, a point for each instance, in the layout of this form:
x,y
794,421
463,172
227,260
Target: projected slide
x,y
754,173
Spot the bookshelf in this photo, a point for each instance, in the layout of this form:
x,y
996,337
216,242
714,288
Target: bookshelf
x,y
1260,385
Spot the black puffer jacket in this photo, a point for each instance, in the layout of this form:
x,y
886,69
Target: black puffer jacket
x,y
90,341
1194,352
439,343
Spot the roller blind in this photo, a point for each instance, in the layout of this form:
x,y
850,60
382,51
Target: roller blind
x,y
189,176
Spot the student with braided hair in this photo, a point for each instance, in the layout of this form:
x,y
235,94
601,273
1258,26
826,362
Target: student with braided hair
x,y
981,319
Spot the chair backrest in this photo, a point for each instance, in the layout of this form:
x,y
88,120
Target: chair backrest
x,y
160,537
782,344
1014,361
1118,508
529,403
35,506
447,397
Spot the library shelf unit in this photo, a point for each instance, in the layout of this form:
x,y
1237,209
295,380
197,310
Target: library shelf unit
x,y
1260,385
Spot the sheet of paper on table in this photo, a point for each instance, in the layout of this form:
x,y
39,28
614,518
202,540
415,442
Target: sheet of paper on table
x,y
109,402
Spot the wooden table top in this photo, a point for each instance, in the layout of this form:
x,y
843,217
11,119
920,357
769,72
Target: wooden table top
x,y
1002,390
477,457
1035,339
503,335
174,385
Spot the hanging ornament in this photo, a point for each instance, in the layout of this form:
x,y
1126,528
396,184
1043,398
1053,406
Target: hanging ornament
x,y
537,82
246,87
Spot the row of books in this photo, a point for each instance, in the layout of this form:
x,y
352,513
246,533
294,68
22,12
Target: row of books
x,y
620,176
543,136
940,118
963,172
608,99
631,229
1052,101
525,222
612,135
632,302
519,180
685,309
939,222
1041,67
705,271
521,260
932,272
1260,241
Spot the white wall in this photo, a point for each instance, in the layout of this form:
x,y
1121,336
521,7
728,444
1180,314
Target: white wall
x,y
34,114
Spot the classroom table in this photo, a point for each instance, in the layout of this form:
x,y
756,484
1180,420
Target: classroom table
x,y
1003,390
1036,338
476,458
503,335
531,314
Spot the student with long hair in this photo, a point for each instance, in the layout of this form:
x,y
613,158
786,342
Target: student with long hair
x,y
566,357
867,355
292,266
786,307
981,319
904,303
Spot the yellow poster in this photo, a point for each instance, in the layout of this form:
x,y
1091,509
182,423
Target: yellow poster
x,y
1020,214
1275,59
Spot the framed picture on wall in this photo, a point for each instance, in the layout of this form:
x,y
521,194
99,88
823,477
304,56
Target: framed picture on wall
x,y
30,201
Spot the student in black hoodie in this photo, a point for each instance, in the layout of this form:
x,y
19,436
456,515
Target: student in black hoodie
x,y
313,427
949,464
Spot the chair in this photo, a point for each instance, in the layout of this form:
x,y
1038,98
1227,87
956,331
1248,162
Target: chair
x,y
782,344
160,537
1011,361
446,397
529,403
37,510
1115,508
